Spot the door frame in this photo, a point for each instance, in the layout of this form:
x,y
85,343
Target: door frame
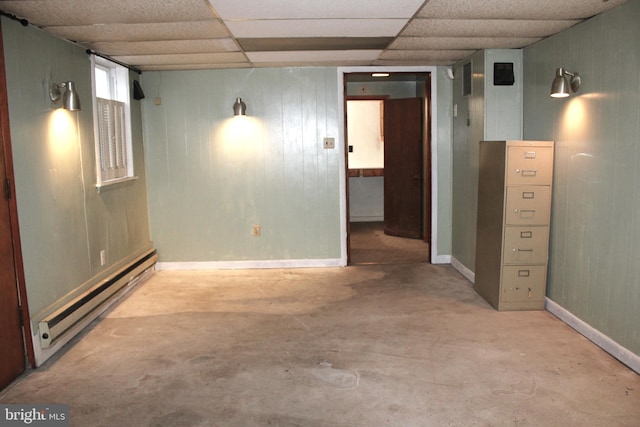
x,y
432,152
5,145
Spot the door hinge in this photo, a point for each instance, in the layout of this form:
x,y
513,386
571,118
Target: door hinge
x,y
7,188
21,315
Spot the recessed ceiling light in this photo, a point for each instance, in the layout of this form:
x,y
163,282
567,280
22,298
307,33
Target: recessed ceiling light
x,y
380,75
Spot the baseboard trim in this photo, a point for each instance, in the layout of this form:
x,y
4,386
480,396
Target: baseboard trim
x,y
242,265
621,353
462,269
440,259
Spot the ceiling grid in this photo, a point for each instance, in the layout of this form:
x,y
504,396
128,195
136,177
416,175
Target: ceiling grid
x,y
200,34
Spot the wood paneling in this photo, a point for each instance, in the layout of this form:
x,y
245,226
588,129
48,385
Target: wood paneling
x,y
64,221
365,172
595,227
212,180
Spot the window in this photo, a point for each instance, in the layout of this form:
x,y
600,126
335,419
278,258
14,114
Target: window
x,y
112,122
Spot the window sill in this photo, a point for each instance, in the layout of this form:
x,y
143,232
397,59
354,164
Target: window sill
x,y
115,183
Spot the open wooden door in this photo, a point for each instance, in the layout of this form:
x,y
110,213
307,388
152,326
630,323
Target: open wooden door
x,y
403,162
12,356
426,194
12,346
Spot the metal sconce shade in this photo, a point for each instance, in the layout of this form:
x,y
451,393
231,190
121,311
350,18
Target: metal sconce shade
x,y
239,108
560,86
70,99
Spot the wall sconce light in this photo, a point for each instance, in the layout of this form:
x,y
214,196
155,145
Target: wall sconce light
x,y
239,108
70,99
560,87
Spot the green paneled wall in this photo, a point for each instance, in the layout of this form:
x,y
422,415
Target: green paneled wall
x,y
64,221
468,130
214,177
442,158
490,112
206,191
594,271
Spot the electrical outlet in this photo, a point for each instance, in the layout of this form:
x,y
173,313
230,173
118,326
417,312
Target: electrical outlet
x,y
103,257
329,143
255,232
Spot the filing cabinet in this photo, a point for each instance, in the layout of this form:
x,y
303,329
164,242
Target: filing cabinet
x,y
514,210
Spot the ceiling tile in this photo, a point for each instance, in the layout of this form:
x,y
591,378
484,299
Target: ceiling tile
x,y
415,43
516,9
316,27
193,30
485,27
190,34
425,54
314,43
417,63
296,9
165,47
317,56
189,66
74,12
318,63
187,58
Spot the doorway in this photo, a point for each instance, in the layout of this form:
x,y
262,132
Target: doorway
x,y
388,203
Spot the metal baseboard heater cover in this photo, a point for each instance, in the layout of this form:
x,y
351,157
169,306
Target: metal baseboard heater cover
x,y
54,326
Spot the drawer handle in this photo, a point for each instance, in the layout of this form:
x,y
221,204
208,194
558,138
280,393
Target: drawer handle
x,y
529,154
522,212
524,273
527,172
522,250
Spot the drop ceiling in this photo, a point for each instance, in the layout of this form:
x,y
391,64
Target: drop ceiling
x,y
201,34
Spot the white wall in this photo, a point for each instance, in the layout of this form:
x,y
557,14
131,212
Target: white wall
x,y
364,127
366,199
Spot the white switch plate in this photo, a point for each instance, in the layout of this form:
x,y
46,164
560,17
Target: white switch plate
x,y
329,143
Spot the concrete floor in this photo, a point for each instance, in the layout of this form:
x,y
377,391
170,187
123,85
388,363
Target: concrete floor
x,y
379,345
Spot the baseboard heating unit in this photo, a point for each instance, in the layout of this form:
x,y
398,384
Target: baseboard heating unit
x,y
55,326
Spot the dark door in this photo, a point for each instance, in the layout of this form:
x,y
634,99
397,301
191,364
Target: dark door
x,y
12,349
12,356
403,167
426,188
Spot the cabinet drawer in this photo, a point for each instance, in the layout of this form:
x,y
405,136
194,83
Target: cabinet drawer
x,y
529,165
525,245
528,204
523,283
